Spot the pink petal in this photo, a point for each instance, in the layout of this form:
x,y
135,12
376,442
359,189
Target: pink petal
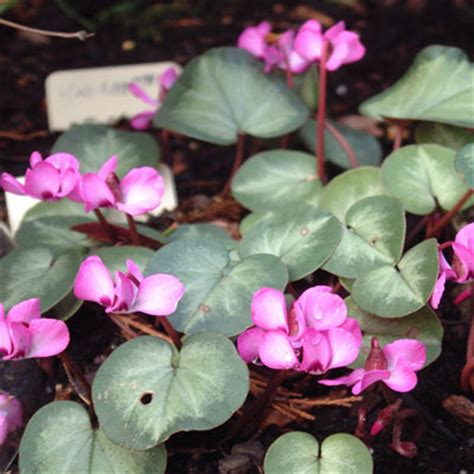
x,y
4,428
95,192
109,167
411,351
309,41
125,293
464,295
344,347
168,78
158,295
352,325
134,271
438,290
463,262
297,63
63,161
249,342
322,309
269,309
12,185
69,180
93,282
48,337
42,182
142,190
276,352
25,311
402,378
141,94
335,30
349,380
6,346
20,339
370,377
465,237
142,121
253,39
338,56
35,158
316,352
11,408
272,57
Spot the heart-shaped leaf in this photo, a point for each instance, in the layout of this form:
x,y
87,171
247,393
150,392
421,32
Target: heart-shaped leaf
x,y
464,164
60,438
37,273
64,207
422,175
145,390
422,325
372,235
393,292
442,134
277,179
191,231
366,147
218,290
438,87
300,453
54,232
115,258
349,187
303,239
252,219
224,93
95,144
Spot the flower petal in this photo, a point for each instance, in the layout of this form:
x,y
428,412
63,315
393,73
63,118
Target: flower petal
x,y
141,94
11,408
249,342
438,290
35,158
344,347
125,294
409,350
276,352
12,185
48,337
134,271
403,378
158,295
269,309
93,282
370,377
6,346
142,190
253,39
142,121
168,78
4,428
316,352
309,41
25,311
63,161
349,380
95,192
110,166
321,308
20,339
42,182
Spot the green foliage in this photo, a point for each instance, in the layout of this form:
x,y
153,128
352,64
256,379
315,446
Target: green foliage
x,y
60,438
438,87
115,258
145,391
95,144
464,163
224,93
277,179
218,290
300,453
442,134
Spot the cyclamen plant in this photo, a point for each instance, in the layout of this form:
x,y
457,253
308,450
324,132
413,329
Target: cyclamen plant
x,y
336,242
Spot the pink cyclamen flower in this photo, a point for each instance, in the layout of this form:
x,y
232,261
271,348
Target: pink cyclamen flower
x,y
24,334
345,46
395,365
138,192
11,415
129,292
314,336
254,39
166,80
462,268
51,179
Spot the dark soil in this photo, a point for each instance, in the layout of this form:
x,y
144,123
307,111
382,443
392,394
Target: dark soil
x,y
393,31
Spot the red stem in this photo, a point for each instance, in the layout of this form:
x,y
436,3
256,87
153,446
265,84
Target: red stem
x,y
397,142
105,225
450,214
239,156
170,330
134,236
321,113
344,144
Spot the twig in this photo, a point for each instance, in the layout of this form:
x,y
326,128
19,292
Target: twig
x,y
142,327
80,35
123,326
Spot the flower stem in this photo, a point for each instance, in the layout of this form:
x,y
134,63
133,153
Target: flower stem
x,y
344,144
321,113
239,156
257,409
450,214
76,378
467,374
170,330
397,142
105,225
134,236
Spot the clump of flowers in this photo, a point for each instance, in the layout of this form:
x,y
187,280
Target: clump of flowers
x,y
314,336
166,80
461,269
157,295
11,415
24,334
